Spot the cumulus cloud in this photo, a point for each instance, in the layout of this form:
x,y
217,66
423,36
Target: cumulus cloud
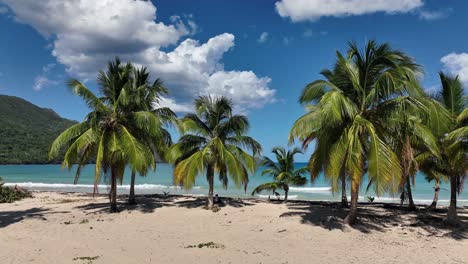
x,y
312,10
263,37
176,107
457,64
86,34
42,80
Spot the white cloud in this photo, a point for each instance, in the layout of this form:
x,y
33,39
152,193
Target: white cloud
x,y
47,68
433,15
312,10
457,64
176,107
86,34
263,37
41,81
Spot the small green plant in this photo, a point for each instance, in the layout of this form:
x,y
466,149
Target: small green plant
x,y
84,221
12,194
370,199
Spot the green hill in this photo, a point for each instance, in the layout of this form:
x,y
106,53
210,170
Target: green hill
x,y
26,131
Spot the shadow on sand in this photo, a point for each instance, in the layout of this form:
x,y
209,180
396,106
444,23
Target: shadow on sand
x,y
380,217
10,217
149,203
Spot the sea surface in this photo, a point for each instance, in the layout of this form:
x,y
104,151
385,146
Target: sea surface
x,y
54,178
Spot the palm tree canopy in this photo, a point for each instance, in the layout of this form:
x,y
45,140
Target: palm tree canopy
x,y
213,138
283,171
119,127
351,113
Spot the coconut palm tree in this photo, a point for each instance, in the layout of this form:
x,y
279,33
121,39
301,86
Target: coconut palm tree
x,y
283,172
213,142
145,96
455,141
306,131
109,135
415,132
348,117
434,169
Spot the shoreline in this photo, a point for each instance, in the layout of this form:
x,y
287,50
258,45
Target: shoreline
x,y
176,229
150,189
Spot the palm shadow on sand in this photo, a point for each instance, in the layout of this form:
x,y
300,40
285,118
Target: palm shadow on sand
x,y
149,203
379,217
11,217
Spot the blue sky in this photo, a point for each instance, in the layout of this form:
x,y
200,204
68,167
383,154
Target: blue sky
x,y
260,53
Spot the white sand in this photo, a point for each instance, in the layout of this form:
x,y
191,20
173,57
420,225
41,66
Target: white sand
x,y
58,228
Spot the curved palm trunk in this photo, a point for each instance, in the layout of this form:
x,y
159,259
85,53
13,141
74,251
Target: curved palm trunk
x,y
286,190
351,217
210,177
344,197
452,216
113,192
409,192
131,196
436,196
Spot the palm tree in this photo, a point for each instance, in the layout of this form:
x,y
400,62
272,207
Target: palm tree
x,y
145,96
109,135
306,130
212,142
348,117
435,169
283,172
414,132
455,141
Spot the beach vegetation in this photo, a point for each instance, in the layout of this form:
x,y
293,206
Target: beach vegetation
x,y
115,133
283,172
351,115
214,141
12,194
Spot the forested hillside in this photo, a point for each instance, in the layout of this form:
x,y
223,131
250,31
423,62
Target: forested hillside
x,y
26,131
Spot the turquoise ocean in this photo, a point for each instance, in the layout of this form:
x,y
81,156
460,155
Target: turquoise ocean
x,y
54,178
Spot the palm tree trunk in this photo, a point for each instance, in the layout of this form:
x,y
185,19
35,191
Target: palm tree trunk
x,y
344,197
210,176
113,192
436,196
351,217
286,190
452,216
407,154
411,205
131,196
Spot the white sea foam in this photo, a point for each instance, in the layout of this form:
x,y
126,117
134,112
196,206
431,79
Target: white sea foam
x,y
310,189
263,196
146,186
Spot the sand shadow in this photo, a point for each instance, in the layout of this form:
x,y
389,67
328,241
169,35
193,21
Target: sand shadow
x,y
149,203
145,204
201,202
11,217
378,218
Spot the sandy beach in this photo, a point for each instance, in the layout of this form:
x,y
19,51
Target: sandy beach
x,y
77,228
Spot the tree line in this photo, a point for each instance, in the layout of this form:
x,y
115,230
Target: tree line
x,y
369,115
